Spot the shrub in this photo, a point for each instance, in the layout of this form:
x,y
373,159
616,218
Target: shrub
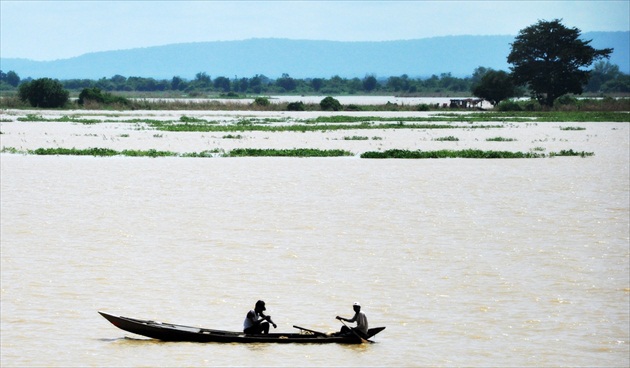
x,y
295,106
262,101
330,103
509,106
96,95
566,100
424,107
43,92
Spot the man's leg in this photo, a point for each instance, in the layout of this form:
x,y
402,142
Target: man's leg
x,y
264,327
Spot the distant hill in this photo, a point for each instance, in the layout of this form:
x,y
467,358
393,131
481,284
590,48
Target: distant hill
x,y
458,55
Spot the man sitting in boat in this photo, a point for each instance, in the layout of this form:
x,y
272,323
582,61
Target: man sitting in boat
x,y
256,321
359,317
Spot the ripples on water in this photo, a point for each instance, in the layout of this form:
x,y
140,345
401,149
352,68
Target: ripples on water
x,y
467,262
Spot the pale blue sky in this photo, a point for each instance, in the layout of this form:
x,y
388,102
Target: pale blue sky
x,y
48,30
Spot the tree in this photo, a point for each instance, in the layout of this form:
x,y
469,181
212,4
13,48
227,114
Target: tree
x,y
317,83
603,71
494,86
12,78
550,58
177,83
44,92
222,83
202,80
478,73
398,83
286,82
369,83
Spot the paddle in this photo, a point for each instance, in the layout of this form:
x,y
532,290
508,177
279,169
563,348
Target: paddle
x,y
355,333
317,333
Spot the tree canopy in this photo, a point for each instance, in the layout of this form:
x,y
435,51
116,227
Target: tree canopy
x,y
44,92
495,86
549,58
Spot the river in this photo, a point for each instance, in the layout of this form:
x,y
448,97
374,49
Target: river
x,y
466,262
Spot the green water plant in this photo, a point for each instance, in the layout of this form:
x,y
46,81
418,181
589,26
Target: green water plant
x,y
571,153
189,119
295,152
450,138
95,151
207,153
500,139
468,153
572,128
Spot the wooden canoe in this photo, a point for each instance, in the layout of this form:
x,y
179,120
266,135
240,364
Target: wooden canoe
x,y
172,332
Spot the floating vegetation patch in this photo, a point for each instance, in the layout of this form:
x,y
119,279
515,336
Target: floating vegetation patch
x,y
572,128
243,126
356,138
450,138
12,150
99,152
571,153
500,139
75,152
151,122
232,136
63,119
295,152
553,116
401,120
188,119
468,153
208,153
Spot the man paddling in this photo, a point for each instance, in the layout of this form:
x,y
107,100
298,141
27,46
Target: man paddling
x,y
359,317
256,321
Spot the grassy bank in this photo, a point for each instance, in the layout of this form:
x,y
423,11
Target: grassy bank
x,y
159,102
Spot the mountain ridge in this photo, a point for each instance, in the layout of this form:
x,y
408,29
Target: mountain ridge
x,y
272,57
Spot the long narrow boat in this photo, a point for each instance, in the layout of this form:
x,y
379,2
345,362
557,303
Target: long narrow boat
x,y
172,332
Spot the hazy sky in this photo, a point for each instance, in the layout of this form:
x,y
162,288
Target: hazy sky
x,y
48,30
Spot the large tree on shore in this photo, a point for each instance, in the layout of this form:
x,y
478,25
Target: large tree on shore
x,y
550,58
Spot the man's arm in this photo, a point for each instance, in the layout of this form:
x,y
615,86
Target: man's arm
x,y
268,318
347,320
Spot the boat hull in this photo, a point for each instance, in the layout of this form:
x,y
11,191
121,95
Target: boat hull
x,y
173,332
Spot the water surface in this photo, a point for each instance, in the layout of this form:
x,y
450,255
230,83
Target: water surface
x,y
467,262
